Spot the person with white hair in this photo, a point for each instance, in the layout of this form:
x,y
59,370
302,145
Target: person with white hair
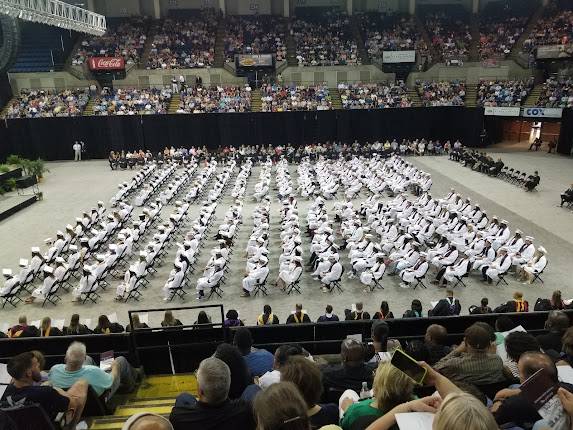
x,y
78,366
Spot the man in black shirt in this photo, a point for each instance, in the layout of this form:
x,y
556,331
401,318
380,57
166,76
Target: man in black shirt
x,y
213,410
435,343
557,323
25,371
352,372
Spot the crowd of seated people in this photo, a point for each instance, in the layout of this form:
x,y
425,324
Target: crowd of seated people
x,y
478,380
126,39
325,42
202,99
374,96
450,36
277,98
254,35
42,104
498,34
132,101
184,43
442,93
554,28
556,93
382,32
503,93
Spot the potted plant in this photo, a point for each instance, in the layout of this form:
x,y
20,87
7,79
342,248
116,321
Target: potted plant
x,y
37,168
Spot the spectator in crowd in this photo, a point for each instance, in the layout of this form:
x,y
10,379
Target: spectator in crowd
x,y
380,342
122,374
277,98
22,329
258,34
147,421
442,93
435,342
503,93
567,348
328,316
516,344
557,324
132,101
351,373
450,35
232,319
259,361
359,313
105,326
212,409
47,330
241,376
556,93
554,28
498,34
44,104
170,321
374,96
281,356
299,316
137,324
267,317
473,361
384,312
24,368
215,99
288,411
202,319
75,327
307,377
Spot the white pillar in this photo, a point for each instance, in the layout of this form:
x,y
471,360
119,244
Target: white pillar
x,y
156,9
412,7
349,7
222,6
475,7
286,8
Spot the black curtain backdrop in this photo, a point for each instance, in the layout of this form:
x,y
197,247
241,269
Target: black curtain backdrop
x,y
52,138
566,134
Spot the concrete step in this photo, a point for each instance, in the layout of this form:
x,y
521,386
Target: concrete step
x,y
256,103
414,97
335,98
174,103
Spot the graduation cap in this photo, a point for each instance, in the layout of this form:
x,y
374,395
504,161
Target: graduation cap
x,y
35,249
7,272
48,269
23,262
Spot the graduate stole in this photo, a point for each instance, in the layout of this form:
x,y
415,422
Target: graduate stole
x,y
297,320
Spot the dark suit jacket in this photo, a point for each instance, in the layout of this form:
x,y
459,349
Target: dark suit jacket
x,y
442,308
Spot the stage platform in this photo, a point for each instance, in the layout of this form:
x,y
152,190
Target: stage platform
x,y
12,203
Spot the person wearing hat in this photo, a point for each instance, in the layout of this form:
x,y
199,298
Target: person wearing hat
x,y
25,275
52,252
10,282
484,258
499,266
536,264
333,274
448,258
514,244
214,271
174,281
132,274
256,274
42,292
458,269
88,282
501,236
524,253
408,260
61,268
287,277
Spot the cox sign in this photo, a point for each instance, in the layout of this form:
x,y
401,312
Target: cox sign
x,y
540,112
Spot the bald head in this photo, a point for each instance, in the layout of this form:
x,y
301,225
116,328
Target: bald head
x,y
352,352
147,421
436,334
531,362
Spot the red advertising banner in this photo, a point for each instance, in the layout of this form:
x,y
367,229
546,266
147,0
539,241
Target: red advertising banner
x,y
106,63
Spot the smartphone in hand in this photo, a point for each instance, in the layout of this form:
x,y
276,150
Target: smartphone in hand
x,y
408,366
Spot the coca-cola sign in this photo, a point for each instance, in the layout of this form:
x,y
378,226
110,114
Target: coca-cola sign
x,y
106,63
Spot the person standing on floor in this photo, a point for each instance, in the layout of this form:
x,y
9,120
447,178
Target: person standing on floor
x,y
77,147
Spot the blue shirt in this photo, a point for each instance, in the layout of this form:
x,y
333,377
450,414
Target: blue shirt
x,y
259,361
97,378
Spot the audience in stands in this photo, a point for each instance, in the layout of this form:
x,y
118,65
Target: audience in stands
x,y
184,43
132,101
241,376
261,34
374,96
556,93
555,28
232,319
435,342
288,412
259,361
442,93
126,40
352,371
215,99
277,98
557,324
503,93
450,35
326,41
281,357
44,104
498,35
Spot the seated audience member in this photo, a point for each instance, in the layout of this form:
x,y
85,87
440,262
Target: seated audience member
x,y
446,307
328,316
267,317
509,406
75,328
147,421
105,326
137,324
212,409
25,371
47,330
288,410
473,361
259,361
281,356
232,319
482,309
306,376
532,181
22,329
557,324
435,342
351,372
415,310
169,320
518,304
202,319
567,348
380,342
384,312
65,375
298,316
516,344
554,303
391,387
358,314
241,376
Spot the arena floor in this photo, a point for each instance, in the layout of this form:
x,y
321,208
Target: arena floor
x,y
71,187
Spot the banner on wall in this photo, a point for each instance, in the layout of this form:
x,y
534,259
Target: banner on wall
x,y
555,51
541,112
255,60
399,56
502,111
102,64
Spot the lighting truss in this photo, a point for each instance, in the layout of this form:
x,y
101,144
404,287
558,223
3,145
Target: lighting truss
x,y
56,13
